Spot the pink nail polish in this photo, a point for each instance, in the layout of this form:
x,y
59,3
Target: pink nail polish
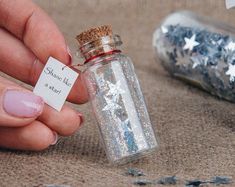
x,y
70,55
55,138
22,104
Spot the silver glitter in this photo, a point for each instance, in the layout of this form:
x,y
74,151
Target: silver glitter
x,y
101,82
120,110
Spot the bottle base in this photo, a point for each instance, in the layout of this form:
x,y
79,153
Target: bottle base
x,y
133,157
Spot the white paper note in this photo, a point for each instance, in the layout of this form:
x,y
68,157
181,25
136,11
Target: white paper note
x,y
55,83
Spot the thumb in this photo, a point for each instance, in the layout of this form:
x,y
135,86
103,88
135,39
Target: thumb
x,y
18,106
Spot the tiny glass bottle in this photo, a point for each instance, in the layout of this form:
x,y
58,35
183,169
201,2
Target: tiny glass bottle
x,y
115,96
198,50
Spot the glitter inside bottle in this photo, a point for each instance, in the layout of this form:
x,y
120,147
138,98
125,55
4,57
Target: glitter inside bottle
x,y
115,96
198,50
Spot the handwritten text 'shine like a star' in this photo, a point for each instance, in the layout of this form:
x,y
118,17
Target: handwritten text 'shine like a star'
x,y
231,72
190,43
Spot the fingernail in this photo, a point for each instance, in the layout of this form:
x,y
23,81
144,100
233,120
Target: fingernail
x,y
70,55
55,138
22,104
81,118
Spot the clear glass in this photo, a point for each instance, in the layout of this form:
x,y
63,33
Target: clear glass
x,y
119,108
198,50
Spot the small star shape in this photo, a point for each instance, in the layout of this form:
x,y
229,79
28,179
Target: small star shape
x,y
115,90
230,46
199,60
196,62
111,105
181,62
231,72
190,43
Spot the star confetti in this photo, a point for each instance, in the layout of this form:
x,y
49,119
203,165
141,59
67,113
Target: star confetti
x,y
199,60
190,43
230,46
211,61
182,62
111,105
231,72
115,90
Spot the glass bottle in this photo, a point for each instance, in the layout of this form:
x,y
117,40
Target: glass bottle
x,y
115,96
198,50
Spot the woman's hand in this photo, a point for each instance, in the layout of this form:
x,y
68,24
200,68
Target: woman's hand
x,y
28,36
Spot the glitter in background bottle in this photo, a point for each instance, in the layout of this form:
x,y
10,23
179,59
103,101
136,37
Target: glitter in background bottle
x,y
115,96
198,50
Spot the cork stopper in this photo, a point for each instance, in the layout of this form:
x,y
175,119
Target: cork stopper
x,y
94,34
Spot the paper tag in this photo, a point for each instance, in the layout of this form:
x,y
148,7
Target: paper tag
x,y
55,83
230,3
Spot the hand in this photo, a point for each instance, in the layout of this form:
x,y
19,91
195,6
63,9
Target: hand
x,y
28,37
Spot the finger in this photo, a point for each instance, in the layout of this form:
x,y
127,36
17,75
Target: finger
x,y
18,61
35,136
66,122
35,28
18,106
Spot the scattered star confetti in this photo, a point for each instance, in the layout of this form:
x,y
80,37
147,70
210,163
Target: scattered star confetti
x,y
190,43
196,54
134,172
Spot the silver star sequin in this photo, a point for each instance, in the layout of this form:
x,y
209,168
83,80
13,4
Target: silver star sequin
x,y
115,90
231,72
199,60
111,105
230,46
190,43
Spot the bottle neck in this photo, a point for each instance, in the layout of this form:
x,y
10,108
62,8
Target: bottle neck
x,y
103,46
115,51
